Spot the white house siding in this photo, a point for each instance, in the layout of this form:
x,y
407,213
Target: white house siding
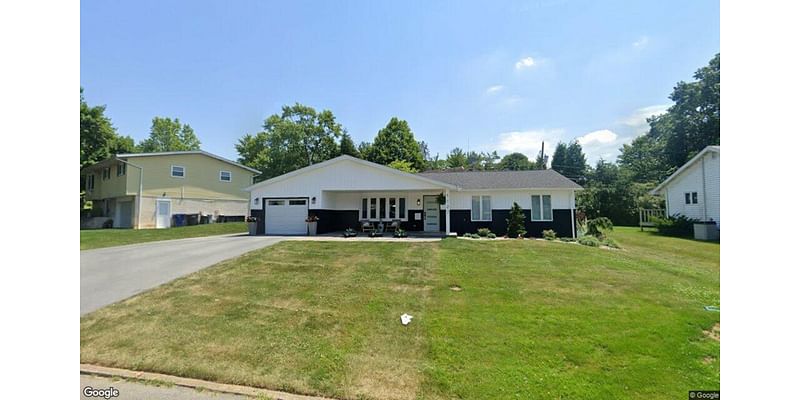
x,y
691,180
504,199
345,175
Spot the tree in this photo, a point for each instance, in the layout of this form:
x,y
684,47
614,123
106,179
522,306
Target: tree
x,y
608,193
403,165
456,158
364,148
99,138
540,163
482,161
396,142
644,160
346,146
298,137
515,162
569,160
516,222
167,134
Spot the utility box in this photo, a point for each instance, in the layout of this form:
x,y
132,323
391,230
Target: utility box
x,y
706,231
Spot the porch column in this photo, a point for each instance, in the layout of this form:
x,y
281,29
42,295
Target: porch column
x,y
447,210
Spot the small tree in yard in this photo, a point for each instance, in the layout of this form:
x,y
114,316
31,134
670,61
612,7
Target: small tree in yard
x,y
595,227
516,222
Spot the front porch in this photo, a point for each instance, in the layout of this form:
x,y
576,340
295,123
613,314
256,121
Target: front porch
x,y
417,212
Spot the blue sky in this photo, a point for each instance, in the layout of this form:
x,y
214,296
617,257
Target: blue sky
x,y
480,75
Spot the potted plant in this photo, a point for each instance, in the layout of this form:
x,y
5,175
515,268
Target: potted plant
x,y
252,225
312,225
441,199
400,233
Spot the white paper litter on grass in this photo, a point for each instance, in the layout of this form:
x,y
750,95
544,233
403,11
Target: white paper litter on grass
x,y
405,319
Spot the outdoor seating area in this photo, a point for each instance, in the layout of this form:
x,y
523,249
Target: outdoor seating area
x,y
380,226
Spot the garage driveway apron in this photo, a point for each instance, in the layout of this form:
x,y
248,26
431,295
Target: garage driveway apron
x,y
112,274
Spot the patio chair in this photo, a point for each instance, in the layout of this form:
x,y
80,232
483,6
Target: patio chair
x,y
394,226
366,226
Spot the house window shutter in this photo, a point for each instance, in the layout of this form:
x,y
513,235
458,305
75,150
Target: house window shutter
x,y
402,208
364,208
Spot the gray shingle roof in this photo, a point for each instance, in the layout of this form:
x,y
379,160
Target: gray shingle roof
x,y
538,179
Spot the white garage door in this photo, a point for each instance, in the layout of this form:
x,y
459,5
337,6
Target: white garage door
x,y
286,217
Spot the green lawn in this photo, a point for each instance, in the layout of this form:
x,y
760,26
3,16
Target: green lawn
x,y
535,319
97,238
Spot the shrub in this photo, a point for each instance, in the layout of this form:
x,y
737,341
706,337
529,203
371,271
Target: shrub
x,y
400,233
589,241
491,235
516,222
484,232
610,243
675,225
549,234
595,227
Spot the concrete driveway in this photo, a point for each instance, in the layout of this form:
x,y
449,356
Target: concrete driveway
x,y
115,273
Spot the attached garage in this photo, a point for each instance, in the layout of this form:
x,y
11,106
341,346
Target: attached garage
x,y
285,216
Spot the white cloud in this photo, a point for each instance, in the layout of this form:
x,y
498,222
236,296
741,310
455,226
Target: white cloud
x,y
603,136
638,119
527,62
494,89
641,42
529,142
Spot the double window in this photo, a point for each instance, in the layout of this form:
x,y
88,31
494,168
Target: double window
x,y
541,208
177,171
225,176
690,197
383,208
481,208
121,169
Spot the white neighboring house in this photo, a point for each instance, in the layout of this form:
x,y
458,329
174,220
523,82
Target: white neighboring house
x,y
346,192
693,190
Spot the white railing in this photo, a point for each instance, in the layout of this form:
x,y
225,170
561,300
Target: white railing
x,y
646,216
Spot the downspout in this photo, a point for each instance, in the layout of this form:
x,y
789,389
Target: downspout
x,y
705,203
447,211
572,214
139,196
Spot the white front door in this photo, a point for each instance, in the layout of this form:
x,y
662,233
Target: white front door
x,y
163,213
286,216
431,207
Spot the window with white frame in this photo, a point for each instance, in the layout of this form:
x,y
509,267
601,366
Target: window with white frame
x,y
121,169
225,176
178,171
383,208
89,182
690,197
541,208
481,208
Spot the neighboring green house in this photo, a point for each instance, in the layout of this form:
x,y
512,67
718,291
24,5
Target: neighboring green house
x,y
178,182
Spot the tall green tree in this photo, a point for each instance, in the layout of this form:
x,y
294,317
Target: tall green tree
x,y
540,162
403,165
516,222
482,161
347,147
644,160
396,142
99,138
457,158
168,134
570,161
297,137
515,162
608,193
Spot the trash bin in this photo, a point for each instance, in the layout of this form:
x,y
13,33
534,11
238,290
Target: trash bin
x,y
178,219
204,219
192,219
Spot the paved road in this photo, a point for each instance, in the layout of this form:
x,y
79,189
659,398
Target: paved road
x,y
115,273
140,391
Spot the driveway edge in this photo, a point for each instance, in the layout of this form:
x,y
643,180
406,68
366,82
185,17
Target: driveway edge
x,y
90,369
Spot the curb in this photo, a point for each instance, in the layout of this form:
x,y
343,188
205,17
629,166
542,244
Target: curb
x,y
89,369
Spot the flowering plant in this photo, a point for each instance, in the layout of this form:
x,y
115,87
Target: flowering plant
x,y
312,218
